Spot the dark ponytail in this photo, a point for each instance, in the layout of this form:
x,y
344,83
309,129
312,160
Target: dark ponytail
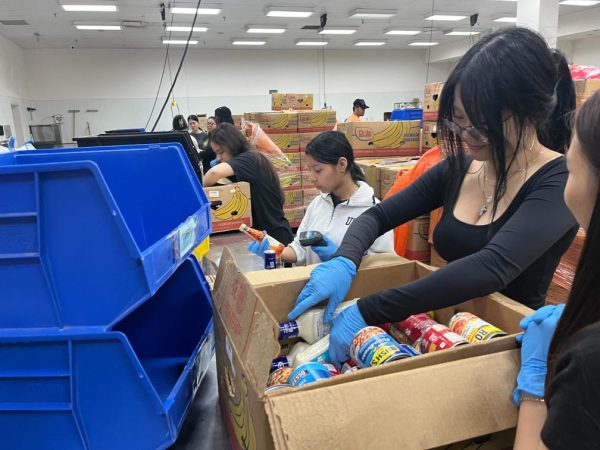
x,y
179,123
329,147
556,132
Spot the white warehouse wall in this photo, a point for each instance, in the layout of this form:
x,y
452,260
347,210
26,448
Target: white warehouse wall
x,y
586,51
13,86
121,84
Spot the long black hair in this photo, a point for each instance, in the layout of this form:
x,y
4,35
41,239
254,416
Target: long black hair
x,y
329,147
223,115
582,308
228,136
510,73
193,117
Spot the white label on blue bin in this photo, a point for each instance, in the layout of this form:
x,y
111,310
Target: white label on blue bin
x,y
187,236
202,362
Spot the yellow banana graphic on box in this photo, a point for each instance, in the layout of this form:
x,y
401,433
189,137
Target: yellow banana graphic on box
x,y
281,121
289,179
282,140
280,162
236,207
392,137
243,424
320,119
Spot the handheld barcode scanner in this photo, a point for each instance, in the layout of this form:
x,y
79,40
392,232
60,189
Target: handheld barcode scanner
x,y
309,238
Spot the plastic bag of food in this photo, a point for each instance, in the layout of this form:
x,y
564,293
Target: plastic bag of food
x,y
264,144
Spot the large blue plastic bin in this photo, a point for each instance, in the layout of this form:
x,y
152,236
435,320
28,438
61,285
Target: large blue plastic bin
x,y
88,234
407,114
126,386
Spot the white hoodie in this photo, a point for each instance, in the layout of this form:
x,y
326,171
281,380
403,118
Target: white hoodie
x,y
334,222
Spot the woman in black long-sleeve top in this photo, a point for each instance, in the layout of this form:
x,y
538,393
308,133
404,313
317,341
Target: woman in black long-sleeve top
x,y
504,124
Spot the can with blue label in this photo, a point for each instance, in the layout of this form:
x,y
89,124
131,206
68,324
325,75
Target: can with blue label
x,y
270,259
372,347
308,373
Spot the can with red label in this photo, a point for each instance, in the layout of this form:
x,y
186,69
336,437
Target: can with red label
x,y
439,337
399,335
474,329
280,376
373,347
350,366
415,326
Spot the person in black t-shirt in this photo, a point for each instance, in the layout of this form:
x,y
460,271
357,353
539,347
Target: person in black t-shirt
x,y
238,161
558,387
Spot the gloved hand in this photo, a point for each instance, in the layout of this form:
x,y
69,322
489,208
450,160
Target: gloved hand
x,y
329,280
213,163
12,143
345,326
258,248
534,351
324,252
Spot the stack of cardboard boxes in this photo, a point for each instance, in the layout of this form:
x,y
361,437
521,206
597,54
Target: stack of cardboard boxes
x,y
381,139
431,106
584,89
381,173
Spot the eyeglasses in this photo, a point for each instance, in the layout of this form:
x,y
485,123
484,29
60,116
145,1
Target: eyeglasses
x,y
473,132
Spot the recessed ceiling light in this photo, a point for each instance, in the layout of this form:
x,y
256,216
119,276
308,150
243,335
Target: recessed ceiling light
x,y
199,11
245,42
372,14
423,44
312,43
265,30
506,19
201,29
99,27
178,42
293,13
338,31
369,43
403,32
442,17
89,8
462,33
579,2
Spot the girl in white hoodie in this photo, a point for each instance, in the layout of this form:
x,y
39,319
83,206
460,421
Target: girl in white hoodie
x,y
344,196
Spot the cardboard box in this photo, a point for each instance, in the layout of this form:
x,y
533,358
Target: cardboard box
x,y
391,172
295,160
423,402
318,120
430,136
305,138
237,120
431,101
584,89
293,199
307,182
436,259
309,195
282,101
284,122
417,247
372,167
230,205
372,139
290,180
287,142
294,215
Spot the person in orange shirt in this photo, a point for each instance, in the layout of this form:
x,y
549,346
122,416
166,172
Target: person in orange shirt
x,y
358,110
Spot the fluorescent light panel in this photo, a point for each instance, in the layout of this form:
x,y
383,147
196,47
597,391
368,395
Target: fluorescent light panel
x,y
446,18
423,44
372,14
201,29
265,30
99,27
199,11
178,42
89,8
335,30
311,43
506,20
293,13
369,43
579,2
402,32
462,33
246,42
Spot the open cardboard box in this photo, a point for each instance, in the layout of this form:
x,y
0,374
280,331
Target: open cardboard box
x,y
418,403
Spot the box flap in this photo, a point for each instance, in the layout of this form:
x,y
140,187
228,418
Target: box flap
x,y
378,413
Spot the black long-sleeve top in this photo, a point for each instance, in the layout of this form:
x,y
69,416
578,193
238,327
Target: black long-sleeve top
x,y
516,254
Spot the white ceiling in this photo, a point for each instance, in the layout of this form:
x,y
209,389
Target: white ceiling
x,y
56,30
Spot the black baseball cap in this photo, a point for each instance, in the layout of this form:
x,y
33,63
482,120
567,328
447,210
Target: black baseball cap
x,y
361,103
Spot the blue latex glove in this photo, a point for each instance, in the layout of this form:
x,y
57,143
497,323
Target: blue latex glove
x,y
12,143
534,354
329,280
345,326
324,252
213,163
258,248
539,316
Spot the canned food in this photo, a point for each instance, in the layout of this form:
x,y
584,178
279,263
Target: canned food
x,y
373,347
276,387
270,259
415,326
474,329
280,376
399,335
332,370
279,362
308,373
439,337
350,366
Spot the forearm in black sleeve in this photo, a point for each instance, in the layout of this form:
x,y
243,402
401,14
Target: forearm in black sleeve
x,y
422,196
540,221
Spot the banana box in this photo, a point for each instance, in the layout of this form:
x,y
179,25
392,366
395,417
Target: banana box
x,y
389,174
283,102
318,120
431,101
430,136
294,215
237,120
293,199
309,195
296,160
372,139
584,89
290,180
307,182
230,206
287,142
305,138
284,122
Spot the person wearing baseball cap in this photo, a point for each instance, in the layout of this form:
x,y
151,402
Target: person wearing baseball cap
x,y
358,110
